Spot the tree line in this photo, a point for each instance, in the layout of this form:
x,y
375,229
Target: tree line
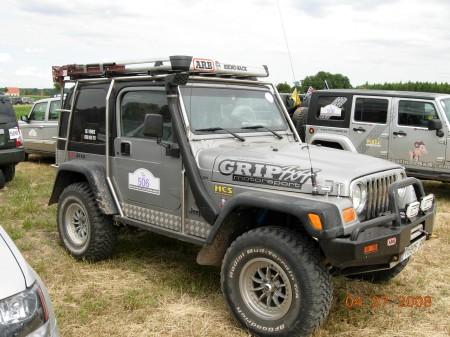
x,y
339,81
318,81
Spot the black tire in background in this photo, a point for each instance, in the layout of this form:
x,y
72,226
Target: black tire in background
x,y
381,276
2,179
83,229
299,118
9,172
275,284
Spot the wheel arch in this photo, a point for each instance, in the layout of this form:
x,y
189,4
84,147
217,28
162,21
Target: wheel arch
x,y
344,142
94,174
250,210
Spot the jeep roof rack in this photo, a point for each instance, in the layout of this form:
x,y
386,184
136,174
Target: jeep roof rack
x,y
171,64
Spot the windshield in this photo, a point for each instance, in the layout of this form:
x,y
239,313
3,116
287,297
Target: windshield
x,y
446,105
232,109
7,114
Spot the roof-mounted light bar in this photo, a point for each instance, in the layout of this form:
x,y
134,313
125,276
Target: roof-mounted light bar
x,y
173,64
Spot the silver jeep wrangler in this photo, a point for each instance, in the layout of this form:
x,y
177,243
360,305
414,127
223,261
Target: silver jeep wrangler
x,y
408,128
203,152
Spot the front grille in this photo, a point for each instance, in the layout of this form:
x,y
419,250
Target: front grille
x,y
377,194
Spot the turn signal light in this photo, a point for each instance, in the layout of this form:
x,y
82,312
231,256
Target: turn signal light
x,y
349,215
315,221
370,249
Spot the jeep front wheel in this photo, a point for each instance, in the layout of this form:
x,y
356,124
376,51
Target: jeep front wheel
x,y
275,284
83,229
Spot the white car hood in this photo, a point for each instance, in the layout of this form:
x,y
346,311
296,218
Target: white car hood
x,y
15,273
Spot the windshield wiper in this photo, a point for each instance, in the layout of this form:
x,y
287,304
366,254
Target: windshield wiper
x,y
254,127
217,128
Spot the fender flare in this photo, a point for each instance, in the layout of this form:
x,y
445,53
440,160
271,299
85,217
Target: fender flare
x,y
343,141
297,207
82,170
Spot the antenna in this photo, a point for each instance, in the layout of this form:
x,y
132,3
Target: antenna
x,y
315,189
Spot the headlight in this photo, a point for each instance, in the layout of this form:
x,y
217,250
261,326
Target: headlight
x,y
23,314
359,197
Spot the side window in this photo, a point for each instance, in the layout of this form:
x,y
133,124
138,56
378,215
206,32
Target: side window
x,y
53,115
136,104
38,113
371,110
331,108
416,113
88,122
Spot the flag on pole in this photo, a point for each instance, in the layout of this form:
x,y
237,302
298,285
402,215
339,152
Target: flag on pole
x,y
296,97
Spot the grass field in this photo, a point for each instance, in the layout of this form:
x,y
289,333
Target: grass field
x,y
153,287
22,110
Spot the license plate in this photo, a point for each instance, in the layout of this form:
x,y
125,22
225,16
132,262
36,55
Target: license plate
x,y
412,249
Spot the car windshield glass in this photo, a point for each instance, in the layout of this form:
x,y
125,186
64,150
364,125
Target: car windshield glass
x,y
446,105
232,109
7,114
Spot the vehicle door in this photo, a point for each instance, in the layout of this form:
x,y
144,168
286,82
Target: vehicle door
x,y
411,143
33,131
147,179
445,105
369,126
50,130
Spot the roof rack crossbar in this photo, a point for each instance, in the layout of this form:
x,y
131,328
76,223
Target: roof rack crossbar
x,y
167,65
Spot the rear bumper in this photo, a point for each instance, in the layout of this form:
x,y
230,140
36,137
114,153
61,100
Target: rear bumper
x,y
390,234
11,156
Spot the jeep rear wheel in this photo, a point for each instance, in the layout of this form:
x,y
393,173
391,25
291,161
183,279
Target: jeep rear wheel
x,y
275,284
83,229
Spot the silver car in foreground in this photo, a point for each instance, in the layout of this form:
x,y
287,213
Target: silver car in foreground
x,y
25,307
39,128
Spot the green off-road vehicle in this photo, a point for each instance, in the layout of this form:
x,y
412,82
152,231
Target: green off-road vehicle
x,y
203,152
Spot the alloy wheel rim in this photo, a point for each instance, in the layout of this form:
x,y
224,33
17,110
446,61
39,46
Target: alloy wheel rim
x,y
77,223
265,288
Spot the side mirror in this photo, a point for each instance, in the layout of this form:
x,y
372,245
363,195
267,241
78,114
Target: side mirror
x,y
24,118
434,124
153,126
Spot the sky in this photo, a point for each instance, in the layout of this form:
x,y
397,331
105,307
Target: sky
x,y
366,40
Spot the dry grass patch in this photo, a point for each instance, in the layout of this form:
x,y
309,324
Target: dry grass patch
x,y
153,287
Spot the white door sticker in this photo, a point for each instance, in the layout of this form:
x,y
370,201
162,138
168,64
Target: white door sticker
x,y
14,133
32,133
144,181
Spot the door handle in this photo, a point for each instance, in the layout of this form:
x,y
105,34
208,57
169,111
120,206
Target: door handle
x,y
399,133
125,149
360,129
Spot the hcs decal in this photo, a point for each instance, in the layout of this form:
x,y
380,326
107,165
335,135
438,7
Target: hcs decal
x,y
264,174
144,181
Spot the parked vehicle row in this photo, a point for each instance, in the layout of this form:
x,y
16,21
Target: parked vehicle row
x,y
15,100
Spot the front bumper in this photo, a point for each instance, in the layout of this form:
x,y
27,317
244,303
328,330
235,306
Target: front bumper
x,y
391,234
11,156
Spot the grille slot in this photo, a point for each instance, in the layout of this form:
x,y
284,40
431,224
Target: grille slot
x,y
377,195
